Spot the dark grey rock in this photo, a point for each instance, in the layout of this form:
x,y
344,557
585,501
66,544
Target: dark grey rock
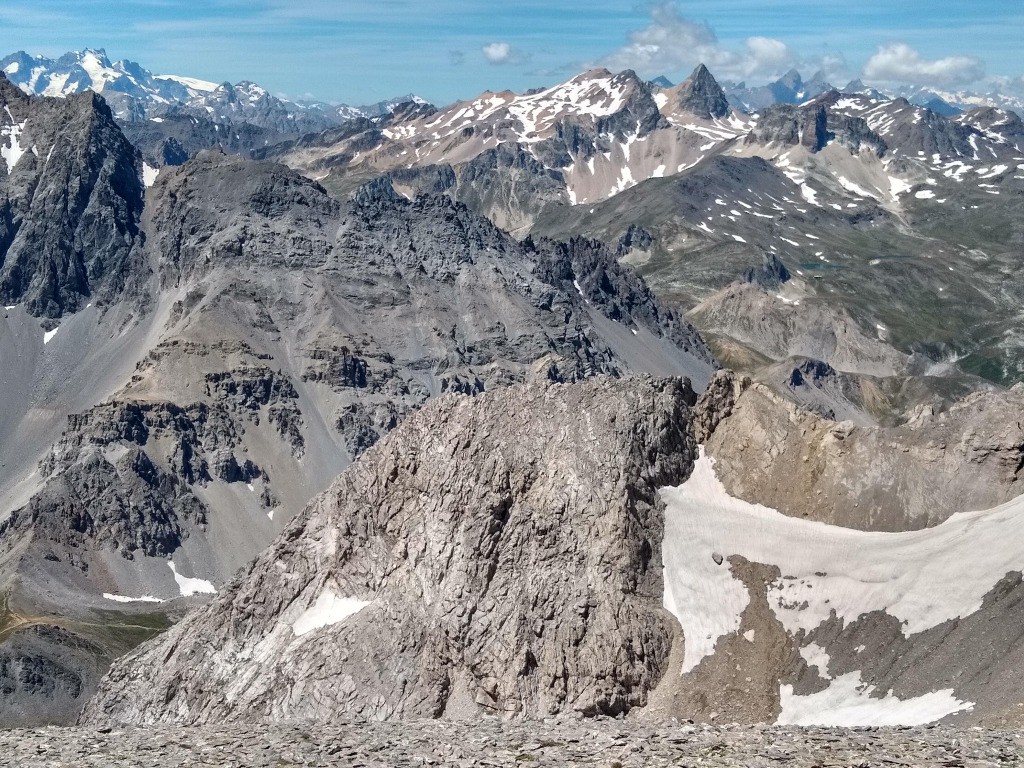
x,y
69,216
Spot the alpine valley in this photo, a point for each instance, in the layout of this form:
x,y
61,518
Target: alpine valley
x,y
614,398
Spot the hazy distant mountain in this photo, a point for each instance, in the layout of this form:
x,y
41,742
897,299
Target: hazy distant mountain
x,y
135,93
792,89
788,89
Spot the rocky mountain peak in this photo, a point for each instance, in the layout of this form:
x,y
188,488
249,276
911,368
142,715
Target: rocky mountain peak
x,y
56,248
10,95
791,80
534,509
701,95
786,124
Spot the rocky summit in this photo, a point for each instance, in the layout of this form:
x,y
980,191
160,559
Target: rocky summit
x,y
529,514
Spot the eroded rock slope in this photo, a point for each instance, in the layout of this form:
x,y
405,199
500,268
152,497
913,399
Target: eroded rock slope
x,y
494,554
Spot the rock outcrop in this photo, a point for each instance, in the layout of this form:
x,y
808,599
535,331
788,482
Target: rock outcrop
x,y
773,452
493,554
71,197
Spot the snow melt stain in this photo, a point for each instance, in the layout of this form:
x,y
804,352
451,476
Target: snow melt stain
x,y
188,586
328,609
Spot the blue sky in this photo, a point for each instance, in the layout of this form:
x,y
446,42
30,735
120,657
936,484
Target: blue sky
x,y
360,51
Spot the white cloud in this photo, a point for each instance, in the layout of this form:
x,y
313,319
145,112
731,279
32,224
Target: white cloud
x,y
1012,85
674,44
899,63
498,53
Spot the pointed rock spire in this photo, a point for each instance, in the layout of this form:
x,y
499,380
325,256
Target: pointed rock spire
x,y
701,95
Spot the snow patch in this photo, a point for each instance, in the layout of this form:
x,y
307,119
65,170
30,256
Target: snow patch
x,y
922,577
190,82
855,188
188,586
13,153
328,609
848,702
924,194
898,186
810,195
815,656
49,335
123,599
149,174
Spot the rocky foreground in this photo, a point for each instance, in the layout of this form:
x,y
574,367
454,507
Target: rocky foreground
x,y
490,742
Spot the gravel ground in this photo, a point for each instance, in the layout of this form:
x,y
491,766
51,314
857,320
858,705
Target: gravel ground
x,y
605,743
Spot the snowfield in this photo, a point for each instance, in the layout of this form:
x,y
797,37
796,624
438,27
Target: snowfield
x,y
922,578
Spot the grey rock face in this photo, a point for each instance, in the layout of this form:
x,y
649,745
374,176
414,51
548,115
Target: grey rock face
x,y
528,514
999,121
872,478
44,670
246,102
928,132
70,209
771,274
750,314
700,94
716,403
173,139
788,89
786,124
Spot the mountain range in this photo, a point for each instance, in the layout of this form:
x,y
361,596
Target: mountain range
x,y
609,398
135,93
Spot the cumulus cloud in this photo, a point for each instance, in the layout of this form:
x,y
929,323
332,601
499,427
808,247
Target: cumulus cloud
x,y
1012,85
498,53
899,63
673,43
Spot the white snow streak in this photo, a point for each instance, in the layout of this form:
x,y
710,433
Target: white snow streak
x,y
123,599
13,153
809,194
